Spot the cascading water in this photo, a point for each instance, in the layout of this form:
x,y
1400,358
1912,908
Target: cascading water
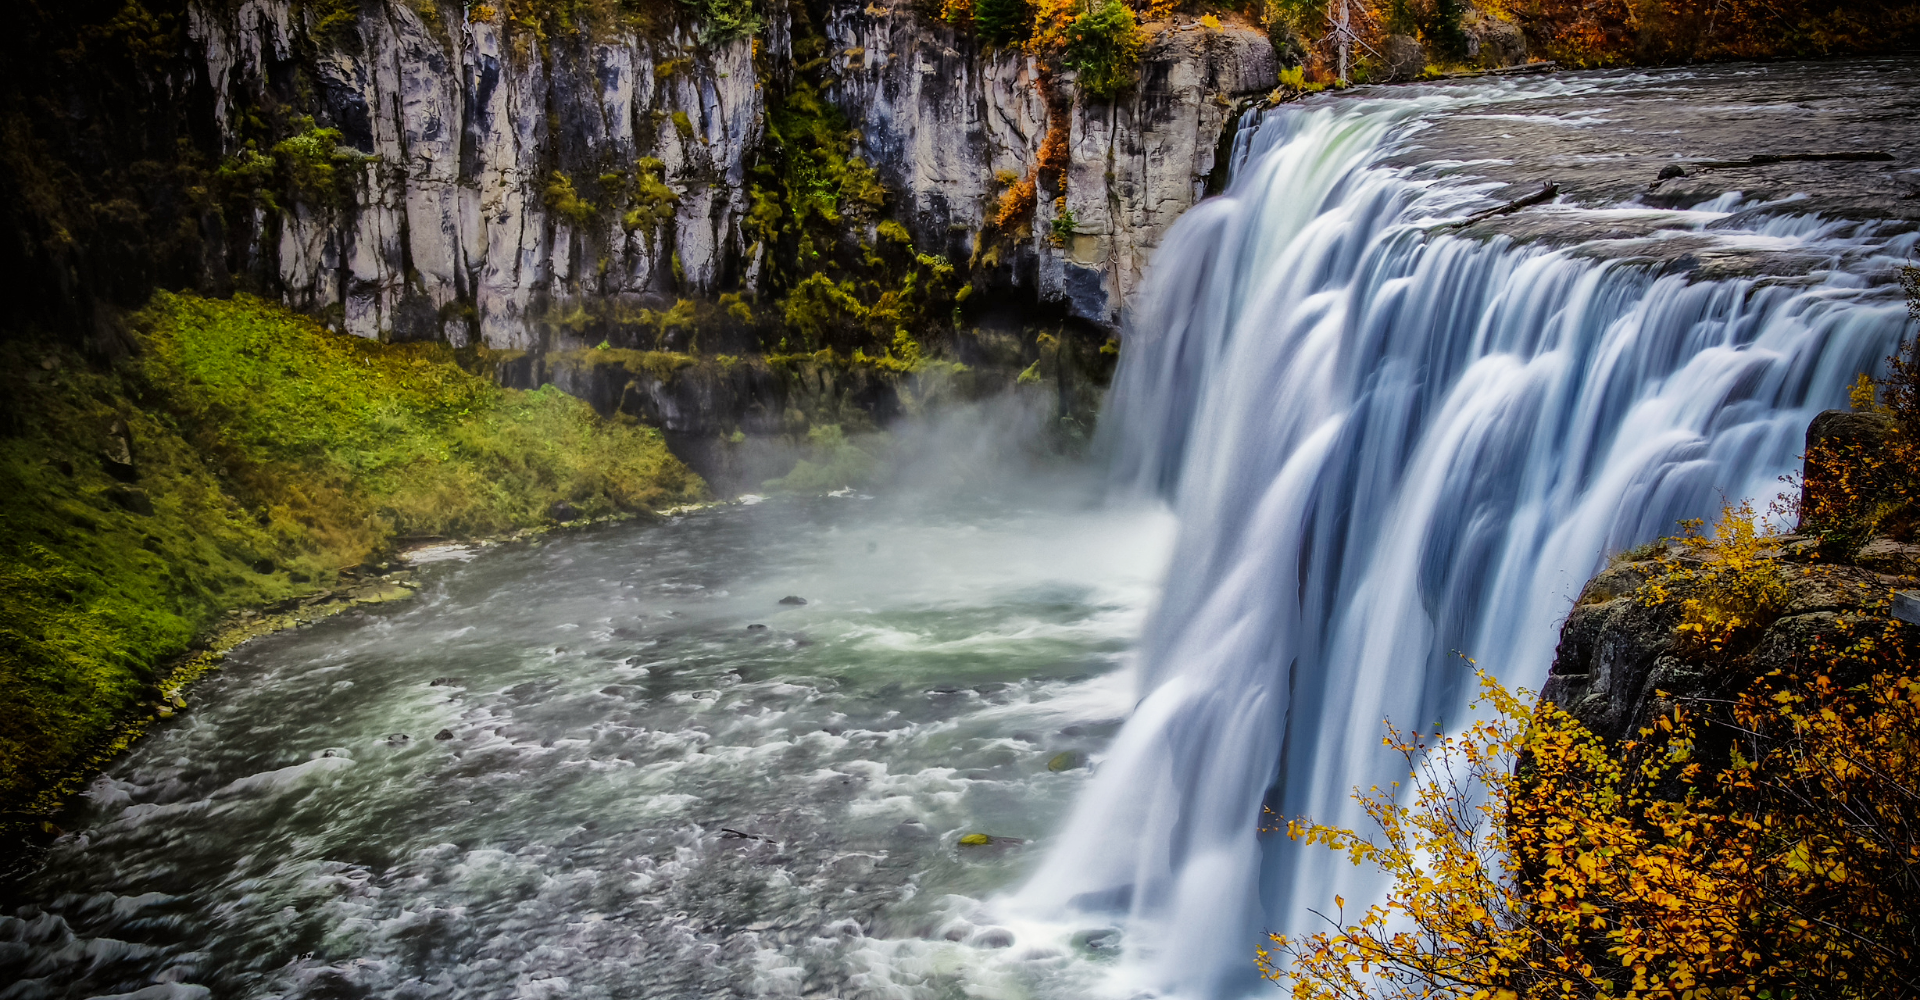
x,y
622,763
1388,445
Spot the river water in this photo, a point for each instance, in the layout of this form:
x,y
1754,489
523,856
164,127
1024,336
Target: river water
x,y
616,764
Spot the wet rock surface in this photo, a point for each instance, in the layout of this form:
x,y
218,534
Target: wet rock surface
x,y
1620,664
1606,137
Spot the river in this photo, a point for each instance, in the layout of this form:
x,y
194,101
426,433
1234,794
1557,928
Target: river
x,y
617,763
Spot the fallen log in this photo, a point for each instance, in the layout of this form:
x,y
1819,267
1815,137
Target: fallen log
x,y
1544,66
1672,170
1547,190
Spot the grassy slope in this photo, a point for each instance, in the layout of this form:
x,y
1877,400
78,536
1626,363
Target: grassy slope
x,y
272,455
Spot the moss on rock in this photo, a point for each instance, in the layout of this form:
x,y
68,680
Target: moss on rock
x,y
244,456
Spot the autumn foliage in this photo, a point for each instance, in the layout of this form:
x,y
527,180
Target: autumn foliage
x,y
1591,32
1530,860
1604,32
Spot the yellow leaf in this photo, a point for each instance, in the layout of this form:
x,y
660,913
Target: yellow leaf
x,y
1211,22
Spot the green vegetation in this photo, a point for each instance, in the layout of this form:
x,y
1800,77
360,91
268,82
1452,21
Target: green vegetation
x,y
543,20
832,462
1002,21
814,198
724,19
307,165
566,201
1103,44
245,456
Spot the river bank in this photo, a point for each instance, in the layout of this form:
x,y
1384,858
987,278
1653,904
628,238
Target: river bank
x,y
246,458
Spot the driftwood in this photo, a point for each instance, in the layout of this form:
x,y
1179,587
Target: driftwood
x,y
1672,170
1547,190
1545,66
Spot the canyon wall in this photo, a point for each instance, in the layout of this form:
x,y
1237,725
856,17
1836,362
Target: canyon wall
x,y
456,223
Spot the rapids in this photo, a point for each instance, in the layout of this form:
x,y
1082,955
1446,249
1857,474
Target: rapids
x,y
575,768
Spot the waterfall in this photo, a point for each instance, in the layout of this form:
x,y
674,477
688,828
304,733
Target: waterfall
x,y
1388,445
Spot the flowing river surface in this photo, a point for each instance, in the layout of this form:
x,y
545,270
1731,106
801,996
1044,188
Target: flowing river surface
x,y
1387,434
616,765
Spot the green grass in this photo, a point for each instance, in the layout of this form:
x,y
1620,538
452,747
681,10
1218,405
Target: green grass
x,y
269,456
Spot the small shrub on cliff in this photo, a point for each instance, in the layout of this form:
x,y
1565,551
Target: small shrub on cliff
x,y
1853,489
721,20
1001,22
1528,860
1729,586
1103,44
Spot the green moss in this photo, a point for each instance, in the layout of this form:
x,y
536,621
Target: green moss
x,y
683,125
263,456
566,202
832,462
650,202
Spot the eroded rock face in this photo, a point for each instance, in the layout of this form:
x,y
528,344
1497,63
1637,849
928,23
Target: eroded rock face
x,y
453,231
1620,665
450,233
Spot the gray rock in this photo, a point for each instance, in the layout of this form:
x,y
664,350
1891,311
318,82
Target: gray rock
x,y
448,234
1492,41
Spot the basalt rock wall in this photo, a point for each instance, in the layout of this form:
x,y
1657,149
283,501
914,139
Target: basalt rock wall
x,y
489,181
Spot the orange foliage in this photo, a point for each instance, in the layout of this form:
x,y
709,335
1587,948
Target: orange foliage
x,y
1050,167
1533,862
1729,586
1016,206
1591,32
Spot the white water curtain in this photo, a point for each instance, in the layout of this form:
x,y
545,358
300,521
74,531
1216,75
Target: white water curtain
x,y
1387,446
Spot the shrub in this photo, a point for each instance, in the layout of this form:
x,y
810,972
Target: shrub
x,y
1015,210
1853,490
1103,45
1729,586
721,20
832,462
1000,22
1531,862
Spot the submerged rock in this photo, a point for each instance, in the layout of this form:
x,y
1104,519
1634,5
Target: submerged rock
x,y
1067,761
791,599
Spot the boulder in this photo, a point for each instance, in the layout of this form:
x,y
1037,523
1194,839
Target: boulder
x,y
1404,57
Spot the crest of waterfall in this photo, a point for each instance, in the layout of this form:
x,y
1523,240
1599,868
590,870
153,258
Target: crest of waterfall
x,y
1388,446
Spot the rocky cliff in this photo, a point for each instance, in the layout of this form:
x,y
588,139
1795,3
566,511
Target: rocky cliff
x,y
419,170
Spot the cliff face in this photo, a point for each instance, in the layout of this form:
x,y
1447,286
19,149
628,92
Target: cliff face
x,y
942,120
497,182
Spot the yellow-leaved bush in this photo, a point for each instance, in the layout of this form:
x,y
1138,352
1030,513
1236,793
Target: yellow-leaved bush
x,y
1528,859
